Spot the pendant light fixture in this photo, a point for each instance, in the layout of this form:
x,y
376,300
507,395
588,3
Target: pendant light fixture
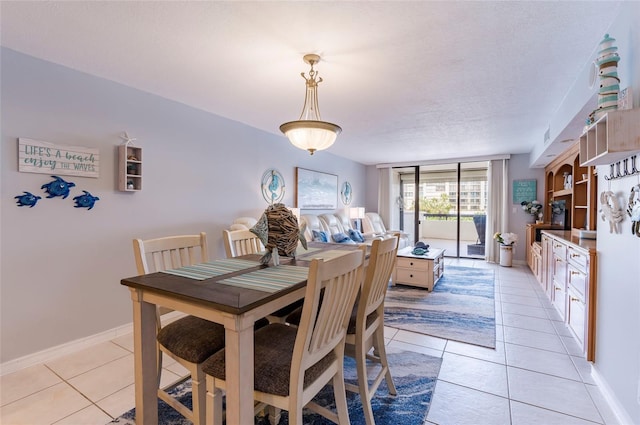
x,y
310,132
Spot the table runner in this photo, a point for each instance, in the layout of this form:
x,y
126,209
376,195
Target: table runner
x,y
204,271
325,255
270,279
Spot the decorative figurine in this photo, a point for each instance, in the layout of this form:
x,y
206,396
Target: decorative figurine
x,y
278,231
85,201
610,210
28,199
58,187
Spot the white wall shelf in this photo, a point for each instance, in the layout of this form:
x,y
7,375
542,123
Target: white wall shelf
x,y
613,137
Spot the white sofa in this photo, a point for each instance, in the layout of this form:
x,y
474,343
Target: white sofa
x,y
373,224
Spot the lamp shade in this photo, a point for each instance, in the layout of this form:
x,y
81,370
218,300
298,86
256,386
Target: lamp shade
x,y
310,132
311,135
356,212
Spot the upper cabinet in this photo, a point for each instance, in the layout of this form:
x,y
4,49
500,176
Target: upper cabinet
x,y
575,186
613,137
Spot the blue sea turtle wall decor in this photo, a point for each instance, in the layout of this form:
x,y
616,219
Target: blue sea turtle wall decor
x,y
27,199
85,201
58,187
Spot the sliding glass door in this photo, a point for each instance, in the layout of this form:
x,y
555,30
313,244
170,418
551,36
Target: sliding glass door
x,y
445,206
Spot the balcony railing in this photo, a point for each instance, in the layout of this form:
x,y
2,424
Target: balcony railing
x,y
439,230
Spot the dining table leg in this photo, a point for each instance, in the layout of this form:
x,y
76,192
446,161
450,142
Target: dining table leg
x,y
145,360
239,372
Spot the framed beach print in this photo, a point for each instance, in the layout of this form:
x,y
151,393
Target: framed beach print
x,y
316,190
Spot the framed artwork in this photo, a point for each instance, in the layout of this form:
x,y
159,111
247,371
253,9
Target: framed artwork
x,y
524,190
316,190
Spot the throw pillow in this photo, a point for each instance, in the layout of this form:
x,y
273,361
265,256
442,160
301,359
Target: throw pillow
x,y
319,236
356,236
341,238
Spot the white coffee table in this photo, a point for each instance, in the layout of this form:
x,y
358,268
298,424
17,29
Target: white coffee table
x,y
422,271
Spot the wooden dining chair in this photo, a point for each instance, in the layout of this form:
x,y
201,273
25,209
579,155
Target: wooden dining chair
x,y
366,327
188,340
241,242
291,365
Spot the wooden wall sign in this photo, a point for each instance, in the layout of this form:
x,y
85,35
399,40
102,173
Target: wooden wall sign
x,y
47,158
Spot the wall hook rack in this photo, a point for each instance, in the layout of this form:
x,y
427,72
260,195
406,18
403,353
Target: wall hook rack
x,y
620,169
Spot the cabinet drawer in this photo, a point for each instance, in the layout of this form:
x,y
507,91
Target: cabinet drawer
x,y
412,263
536,248
559,249
560,299
413,277
576,318
578,258
559,270
577,280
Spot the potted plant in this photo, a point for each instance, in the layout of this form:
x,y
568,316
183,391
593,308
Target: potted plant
x,y
532,207
506,241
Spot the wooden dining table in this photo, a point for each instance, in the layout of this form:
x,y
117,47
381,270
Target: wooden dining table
x,y
234,292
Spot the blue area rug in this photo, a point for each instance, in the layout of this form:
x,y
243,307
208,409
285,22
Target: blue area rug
x,y
414,375
461,307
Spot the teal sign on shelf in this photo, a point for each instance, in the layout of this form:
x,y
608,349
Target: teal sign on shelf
x,y
524,190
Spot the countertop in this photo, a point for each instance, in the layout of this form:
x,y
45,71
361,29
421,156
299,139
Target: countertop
x,y
586,244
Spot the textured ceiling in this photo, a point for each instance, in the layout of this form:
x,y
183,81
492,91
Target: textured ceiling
x,y
407,81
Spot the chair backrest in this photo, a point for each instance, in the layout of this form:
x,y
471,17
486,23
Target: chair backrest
x,y
323,324
332,223
374,221
313,223
374,288
241,242
345,220
170,252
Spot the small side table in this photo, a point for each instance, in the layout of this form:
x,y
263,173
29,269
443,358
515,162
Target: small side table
x,y
419,270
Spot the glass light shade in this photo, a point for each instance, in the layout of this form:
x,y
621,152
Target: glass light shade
x,y
310,132
311,135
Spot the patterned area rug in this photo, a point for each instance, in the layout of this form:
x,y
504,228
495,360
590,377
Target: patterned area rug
x,y
461,307
414,375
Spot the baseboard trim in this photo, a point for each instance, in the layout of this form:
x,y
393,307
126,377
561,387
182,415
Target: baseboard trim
x,y
610,397
72,346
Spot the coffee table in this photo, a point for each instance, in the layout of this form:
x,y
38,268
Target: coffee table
x,y
422,271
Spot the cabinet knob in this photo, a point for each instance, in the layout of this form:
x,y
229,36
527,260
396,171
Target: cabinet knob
x,y
574,272
573,299
575,255
557,289
411,264
410,275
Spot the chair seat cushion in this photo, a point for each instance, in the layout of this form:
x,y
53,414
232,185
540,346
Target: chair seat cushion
x,y
195,339
192,338
273,347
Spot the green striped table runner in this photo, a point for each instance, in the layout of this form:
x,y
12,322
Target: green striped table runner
x,y
204,271
270,279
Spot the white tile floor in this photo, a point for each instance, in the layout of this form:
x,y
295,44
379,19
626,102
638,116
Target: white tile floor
x,y
530,378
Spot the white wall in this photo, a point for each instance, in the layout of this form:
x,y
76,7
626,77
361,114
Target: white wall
x,y
618,300
61,266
